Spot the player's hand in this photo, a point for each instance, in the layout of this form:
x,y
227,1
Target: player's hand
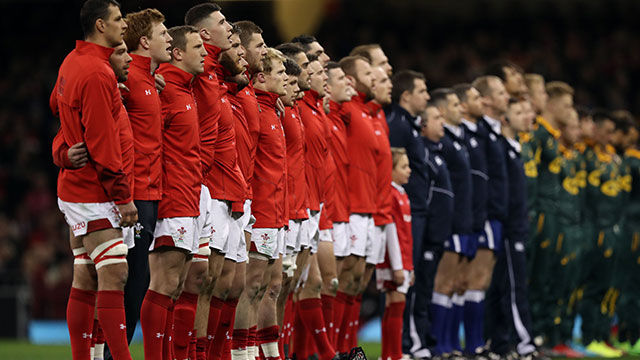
x,y
123,87
128,214
160,84
398,277
78,155
280,107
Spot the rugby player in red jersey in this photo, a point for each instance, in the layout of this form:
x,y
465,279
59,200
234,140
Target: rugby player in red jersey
x,y
177,233
375,55
97,198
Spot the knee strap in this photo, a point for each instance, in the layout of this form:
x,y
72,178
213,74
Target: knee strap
x,y
80,257
203,251
110,252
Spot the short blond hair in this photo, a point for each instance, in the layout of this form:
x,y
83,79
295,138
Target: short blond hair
x,y
396,154
267,62
531,79
558,88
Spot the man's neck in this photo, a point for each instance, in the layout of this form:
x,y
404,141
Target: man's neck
x,y
98,40
493,114
179,65
550,119
508,132
260,86
406,108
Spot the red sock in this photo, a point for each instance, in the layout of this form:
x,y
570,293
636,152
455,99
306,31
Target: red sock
x,y
215,308
338,315
299,336
240,339
268,340
392,328
223,330
201,348
80,309
183,319
327,313
287,324
110,304
153,320
167,343
99,335
251,337
353,336
94,332
347,324
192,345
226,352
311,311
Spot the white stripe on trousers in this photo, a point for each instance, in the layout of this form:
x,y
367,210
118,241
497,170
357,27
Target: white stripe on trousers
x,y
524,346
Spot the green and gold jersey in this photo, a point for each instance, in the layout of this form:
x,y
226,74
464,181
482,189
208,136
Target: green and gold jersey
x,y
606,183
549,166
631,163
530,158
573,174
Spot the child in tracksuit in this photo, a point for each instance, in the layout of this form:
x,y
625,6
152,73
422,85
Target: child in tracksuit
x,y
395,274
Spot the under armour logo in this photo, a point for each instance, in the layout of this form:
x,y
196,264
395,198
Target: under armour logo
x,y
87,336
335,128
293,116
188,107
123,326
314,112
209,337
247,92
318,331
364,115
210,77
378,132
273,127
159,335
147,92
190,333
224,100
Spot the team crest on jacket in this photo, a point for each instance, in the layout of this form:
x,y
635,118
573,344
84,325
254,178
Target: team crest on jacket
x,y
438,160
181,231
457,146
512,154
473,142
493,137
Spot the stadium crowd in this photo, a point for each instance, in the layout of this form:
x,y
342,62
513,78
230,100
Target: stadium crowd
x,y
472,150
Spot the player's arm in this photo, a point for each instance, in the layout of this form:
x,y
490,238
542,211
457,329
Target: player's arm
x,y
66,157
393,248
399,134
101,137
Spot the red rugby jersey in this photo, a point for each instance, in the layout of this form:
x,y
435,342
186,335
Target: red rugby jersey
x,y
145,113
249,102
314,121
207,94
269,204
182,175
385,166
362,148
243,140
60,149
225,180
87,101
338,147
399,254
296,148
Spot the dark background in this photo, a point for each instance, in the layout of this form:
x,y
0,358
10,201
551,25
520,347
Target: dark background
x,y
593,45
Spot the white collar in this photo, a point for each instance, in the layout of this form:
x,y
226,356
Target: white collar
x,y
470,125
398,187
456,130
514,144
496,126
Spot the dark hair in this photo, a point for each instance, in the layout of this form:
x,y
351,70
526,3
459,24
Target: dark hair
x,y
583,111
332,65
289,50
404,80
623,120
247,29
312,58
179,35
461,91
91,11
364,50
600,116
439,96
200,12
291,67
496,68
304,41
235,29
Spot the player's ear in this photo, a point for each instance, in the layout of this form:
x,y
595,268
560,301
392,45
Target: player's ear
x,y
205,35
176,54
100,25
144,42
261,78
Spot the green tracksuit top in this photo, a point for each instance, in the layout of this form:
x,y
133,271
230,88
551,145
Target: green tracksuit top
x,y
632,164
549,167
606,177
570,200
530,159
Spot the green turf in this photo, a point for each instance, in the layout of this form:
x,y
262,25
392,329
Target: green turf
x,y
21,350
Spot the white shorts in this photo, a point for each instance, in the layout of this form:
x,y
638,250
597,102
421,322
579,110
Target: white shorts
x,y
341,246
250,219
205,218
293,236
361,232
84,218
236,249
381,232
180,232
128,236
220,220
305,241
314,224
268,242
384,281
